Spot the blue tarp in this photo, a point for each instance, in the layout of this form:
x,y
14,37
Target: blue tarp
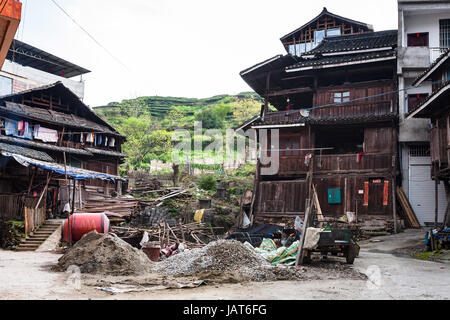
x,y
75,173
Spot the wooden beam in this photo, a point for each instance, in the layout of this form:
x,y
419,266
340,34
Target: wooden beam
x,y
289,92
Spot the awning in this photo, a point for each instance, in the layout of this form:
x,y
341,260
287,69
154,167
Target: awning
x,y
75,173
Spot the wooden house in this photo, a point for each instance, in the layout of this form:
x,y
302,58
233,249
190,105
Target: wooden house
x,y
436,107
335,107
53,148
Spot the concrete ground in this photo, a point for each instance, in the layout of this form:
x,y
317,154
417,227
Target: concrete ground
x,y
392,274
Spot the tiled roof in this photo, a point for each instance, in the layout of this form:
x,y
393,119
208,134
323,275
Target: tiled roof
x,y
318,120
325,12
338,59
41,145
355,42
55,117
10,148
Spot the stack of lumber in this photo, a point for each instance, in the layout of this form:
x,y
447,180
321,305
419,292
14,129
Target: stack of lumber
x,y
112,207
408,212
146,185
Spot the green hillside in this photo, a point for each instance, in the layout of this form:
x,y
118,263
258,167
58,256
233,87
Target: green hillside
x,y
148,122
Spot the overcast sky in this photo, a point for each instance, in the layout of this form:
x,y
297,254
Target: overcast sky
x,y
184,48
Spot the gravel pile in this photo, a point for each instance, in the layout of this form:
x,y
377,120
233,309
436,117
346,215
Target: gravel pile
x,y
105,254
228,259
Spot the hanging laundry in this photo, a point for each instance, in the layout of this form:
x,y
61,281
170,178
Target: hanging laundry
x,y
27,131
90,137
99,140
45,134
69,136
106,141
20,128
82,138
112,142
11,127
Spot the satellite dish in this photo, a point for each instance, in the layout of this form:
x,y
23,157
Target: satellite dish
x,y
304,113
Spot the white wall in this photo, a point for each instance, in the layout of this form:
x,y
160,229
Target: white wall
x,y
32,78
419,22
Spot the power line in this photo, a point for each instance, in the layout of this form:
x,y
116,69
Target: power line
x,y
89,35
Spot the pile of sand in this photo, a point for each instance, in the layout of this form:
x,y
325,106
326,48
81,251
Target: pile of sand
x,y
105,254
227,260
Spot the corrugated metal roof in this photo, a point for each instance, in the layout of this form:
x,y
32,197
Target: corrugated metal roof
x,y
29,56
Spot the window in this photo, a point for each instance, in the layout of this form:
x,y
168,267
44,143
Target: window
x,y
444,33
418,39
289,146
340,97
333,32
319,35
415,99
5,86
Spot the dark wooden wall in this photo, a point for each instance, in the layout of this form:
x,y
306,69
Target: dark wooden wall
x,y
287,198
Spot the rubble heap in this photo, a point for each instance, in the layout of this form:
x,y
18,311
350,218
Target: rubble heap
x,y
105,254
225,258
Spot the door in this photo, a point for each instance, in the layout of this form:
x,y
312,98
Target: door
x,y
422,193
376,188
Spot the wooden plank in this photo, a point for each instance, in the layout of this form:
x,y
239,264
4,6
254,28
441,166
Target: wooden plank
x,y
406,206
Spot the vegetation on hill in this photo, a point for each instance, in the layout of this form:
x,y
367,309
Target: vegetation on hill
x,y
149,122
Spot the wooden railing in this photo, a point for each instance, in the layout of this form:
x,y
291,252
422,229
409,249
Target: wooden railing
x,y
336,164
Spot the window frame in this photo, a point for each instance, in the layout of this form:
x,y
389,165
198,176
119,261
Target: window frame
x,y
425,36
341,97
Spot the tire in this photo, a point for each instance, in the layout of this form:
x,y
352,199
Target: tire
x,y
350,253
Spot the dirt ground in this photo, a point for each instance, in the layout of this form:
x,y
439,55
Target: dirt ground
x,y
390,274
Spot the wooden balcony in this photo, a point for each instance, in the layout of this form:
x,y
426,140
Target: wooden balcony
x,y
343,163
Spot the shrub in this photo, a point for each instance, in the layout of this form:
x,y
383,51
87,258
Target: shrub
x,y
207,182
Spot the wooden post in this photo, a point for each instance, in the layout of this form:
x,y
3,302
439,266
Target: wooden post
x,y
68,197
436,197
31,180
300,251
72,209
43,191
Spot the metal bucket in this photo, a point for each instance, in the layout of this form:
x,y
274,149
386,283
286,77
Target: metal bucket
x,y
152,250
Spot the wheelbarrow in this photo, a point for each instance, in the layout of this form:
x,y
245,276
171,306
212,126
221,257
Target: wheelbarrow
x,y
335,242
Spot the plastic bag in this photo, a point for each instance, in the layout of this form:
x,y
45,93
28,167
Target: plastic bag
x,y
246,221
298,224
145,239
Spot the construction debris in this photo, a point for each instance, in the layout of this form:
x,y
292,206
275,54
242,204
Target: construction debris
x,y
105,254
192,235
126,288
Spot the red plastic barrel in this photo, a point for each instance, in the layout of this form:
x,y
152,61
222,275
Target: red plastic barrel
x,y
83,223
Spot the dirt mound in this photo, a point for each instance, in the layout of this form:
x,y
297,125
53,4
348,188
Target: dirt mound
x,y
224,261
105,254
